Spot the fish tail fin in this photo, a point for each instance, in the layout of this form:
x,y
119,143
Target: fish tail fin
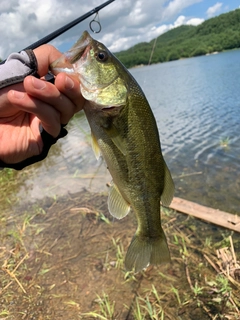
x,y
144,251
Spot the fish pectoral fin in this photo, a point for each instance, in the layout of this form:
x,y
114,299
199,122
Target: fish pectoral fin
x,y
168,191
116,138
95,146
117,205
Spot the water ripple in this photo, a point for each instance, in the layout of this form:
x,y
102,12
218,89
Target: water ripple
x,y
196,105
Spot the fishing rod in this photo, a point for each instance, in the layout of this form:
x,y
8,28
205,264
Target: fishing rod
x,y
68,26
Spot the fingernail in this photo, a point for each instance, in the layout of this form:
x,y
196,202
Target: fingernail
x,y
38,84
18,94
69,84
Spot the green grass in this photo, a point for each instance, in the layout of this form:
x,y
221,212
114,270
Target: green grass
x,y
106,307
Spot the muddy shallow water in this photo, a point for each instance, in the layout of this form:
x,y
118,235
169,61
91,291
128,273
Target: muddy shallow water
x,y
64,259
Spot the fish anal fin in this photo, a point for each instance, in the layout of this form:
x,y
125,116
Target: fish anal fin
x,y
168,191
95,146
117,205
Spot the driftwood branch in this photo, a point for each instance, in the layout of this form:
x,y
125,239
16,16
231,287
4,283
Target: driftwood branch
x,y
218,217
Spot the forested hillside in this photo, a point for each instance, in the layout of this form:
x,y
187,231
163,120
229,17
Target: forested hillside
x,y
216,34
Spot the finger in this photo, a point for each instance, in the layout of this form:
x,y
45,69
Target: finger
x,y
45,55
49,116
6,109
48,93
70,87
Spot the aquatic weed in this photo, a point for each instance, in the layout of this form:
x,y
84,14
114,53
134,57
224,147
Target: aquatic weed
x,y
106,308
119,253
224,142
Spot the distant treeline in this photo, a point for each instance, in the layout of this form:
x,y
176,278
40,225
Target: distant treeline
x,y
215,34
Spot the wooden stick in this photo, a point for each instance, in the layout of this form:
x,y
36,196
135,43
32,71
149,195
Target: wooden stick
x,y
12,275
220,218
233,252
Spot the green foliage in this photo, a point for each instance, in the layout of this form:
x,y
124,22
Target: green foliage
x,y
199,51
216,34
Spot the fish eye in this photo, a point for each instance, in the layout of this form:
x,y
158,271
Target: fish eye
x,y
102,56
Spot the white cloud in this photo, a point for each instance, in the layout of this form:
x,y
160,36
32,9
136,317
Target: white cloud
x,y
189,21
26,21
180,21
195,21
176,6
211,11
125,43
124,22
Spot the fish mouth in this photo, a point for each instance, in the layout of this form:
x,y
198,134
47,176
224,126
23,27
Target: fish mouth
x,y
78,51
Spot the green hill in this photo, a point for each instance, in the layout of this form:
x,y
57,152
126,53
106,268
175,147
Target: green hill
x,y
215,34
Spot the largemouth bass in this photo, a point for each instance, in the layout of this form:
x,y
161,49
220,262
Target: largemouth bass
x,y
125,133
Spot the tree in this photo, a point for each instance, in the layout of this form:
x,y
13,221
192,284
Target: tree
x,y
216,34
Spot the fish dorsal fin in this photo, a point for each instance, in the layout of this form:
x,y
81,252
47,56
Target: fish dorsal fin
x,y
117,206
168,191
116,138
95,146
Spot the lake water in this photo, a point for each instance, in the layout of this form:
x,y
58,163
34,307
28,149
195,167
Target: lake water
x,y
63,257
196,104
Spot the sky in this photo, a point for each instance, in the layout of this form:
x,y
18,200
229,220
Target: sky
x,y
124,22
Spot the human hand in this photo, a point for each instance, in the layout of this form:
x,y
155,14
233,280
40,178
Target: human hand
x,y
26,106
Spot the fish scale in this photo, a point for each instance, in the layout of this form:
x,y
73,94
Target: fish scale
x,y
125,133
